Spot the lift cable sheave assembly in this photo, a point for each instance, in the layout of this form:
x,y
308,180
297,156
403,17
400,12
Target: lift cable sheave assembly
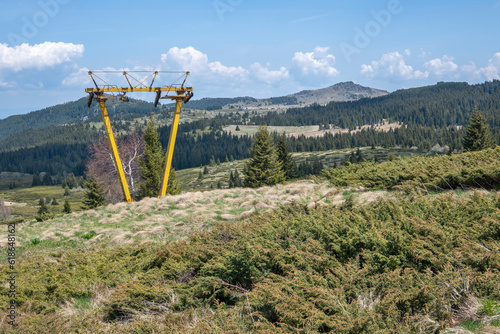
x,y
104,91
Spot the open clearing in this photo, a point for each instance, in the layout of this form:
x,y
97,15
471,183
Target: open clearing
x,y
309,131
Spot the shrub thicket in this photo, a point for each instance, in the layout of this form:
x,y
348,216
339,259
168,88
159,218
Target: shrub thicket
x,y
409,264
472,169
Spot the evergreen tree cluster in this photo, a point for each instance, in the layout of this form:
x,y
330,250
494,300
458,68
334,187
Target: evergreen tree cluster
x,y
266,166
152,161
309,167
235,179
478,136
94,196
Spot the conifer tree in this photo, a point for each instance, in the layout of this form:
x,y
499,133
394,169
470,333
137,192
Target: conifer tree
x,y
67,207
263,167
288,164
93,197
317,166
478,136
237,179
151,162
173,187
231,180
47,180
36,180
43,207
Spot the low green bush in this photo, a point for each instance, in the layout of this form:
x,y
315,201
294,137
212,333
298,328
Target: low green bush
x,y
405,264
474,169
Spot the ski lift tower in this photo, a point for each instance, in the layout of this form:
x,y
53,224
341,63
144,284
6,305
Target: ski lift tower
x,y
104,91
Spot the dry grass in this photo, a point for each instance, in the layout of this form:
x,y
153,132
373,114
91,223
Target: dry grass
x,y
174,217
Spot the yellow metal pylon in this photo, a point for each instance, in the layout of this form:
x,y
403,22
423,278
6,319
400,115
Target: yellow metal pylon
x,y
180,95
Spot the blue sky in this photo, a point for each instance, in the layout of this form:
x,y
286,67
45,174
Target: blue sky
x,y
242,47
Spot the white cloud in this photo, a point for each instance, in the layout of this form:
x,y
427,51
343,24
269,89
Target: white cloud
x,y
318,62
186,59
392,65
195,61
264,74
78,78
442,66
490,72
38,56
218,68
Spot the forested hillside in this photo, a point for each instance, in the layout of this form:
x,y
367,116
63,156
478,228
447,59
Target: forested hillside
x,y
71,112
428,116
443,105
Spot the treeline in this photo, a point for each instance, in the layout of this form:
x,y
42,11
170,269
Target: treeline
x,y
193,151
216,103
196,150
77,133
75,111
422,137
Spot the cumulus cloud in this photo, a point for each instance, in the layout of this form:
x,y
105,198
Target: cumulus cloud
x,y
318,62
185,59
195,61
78,78
228,71
490,72
38,56
190,59
264,74
442,66
392,65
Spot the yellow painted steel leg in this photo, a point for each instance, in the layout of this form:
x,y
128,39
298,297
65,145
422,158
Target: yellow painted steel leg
x,y
170,147
114,151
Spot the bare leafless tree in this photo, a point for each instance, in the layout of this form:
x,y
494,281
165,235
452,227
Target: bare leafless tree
x,y
100,164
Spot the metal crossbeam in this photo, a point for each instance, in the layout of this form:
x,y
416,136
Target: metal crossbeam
x,y
180,95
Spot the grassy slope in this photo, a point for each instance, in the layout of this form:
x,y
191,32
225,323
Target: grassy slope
x,y
405,263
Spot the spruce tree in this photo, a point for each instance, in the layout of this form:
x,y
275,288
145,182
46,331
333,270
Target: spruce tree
x,y
93,197
288,164
231,180
47,180
237,179
478,136
263,167
43,207
151,162
36,180
67,207
173,187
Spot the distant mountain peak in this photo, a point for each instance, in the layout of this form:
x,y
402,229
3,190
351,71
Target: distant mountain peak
x,y
340,92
